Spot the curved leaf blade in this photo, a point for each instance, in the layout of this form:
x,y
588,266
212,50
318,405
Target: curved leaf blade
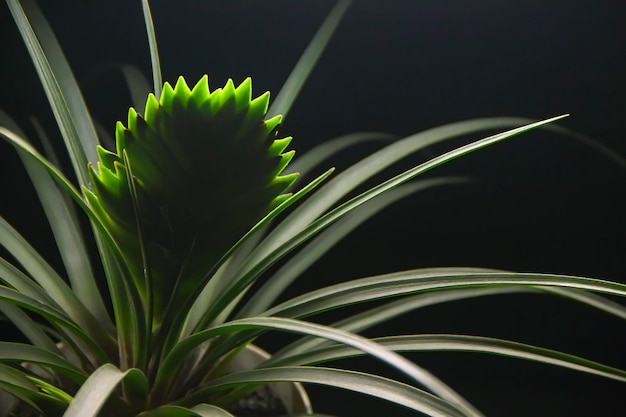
x,y
371,385
59,84
201,410
97,389
65,229
288,235
389,311
420,281
20,352
185,347
461,343
154,50
322,243
294,83
313,157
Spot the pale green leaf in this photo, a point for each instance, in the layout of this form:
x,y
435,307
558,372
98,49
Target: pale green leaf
x,y
346,181
66,231
313,157
382,388
326,240
17,279
461,343
20,352
381,314
420,375
29,328
51,282
284,240
154,50
138,86
55,316
59,85
294,83
420,281
98,388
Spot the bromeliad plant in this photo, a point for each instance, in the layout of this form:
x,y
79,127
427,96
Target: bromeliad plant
x,y
184,212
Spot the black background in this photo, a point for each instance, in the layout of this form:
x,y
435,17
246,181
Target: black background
x,y
545,203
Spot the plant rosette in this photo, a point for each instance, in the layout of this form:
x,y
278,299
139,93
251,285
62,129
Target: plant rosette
x,y
193,212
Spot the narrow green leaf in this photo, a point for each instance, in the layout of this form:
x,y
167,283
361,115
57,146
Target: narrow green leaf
x,y
39,270
123,295
50,391
325,241
53,316
23,145
419,281
154,50
31,330
201,410
184,348
591,299
388,311
20,352
461,343
17,384
375,386
289,235
346,181
313,157
59,85
17,279
380,314
51,282
294,83
15,377
137,84
142,314
66,231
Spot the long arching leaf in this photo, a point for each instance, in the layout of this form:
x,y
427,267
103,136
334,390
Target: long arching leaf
x,y
123,296
421,281
59,84
313,157
461,343
53,316
20,352
29,328
294,83
52,283
296,265
274,248
66,231
154,50
382,388
184,348
391,310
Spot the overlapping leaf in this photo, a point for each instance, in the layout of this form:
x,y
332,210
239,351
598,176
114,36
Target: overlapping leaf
x,y
206,168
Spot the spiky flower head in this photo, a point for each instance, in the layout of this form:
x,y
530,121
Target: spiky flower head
x,y
205,167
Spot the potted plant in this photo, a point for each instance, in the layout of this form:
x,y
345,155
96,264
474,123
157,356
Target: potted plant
x,y
190,211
